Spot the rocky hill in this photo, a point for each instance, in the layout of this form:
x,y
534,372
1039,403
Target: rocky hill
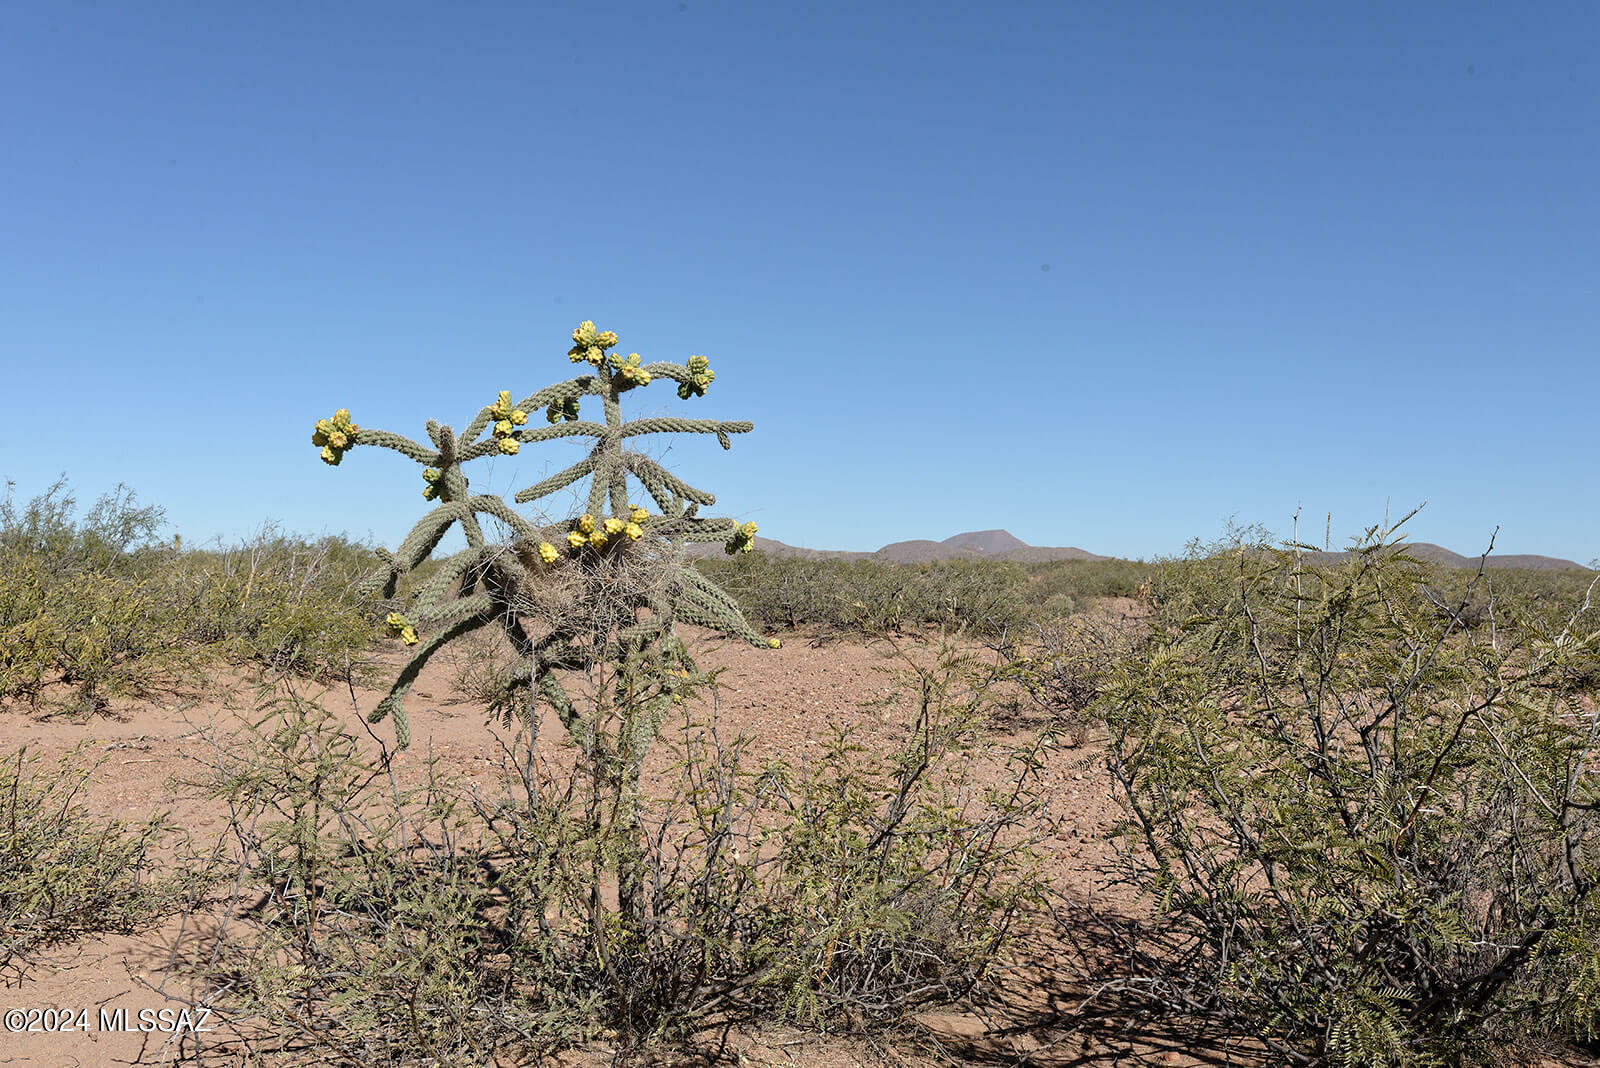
x,y
1003,545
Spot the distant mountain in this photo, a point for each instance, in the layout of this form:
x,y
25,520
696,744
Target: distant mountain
x,y
987,544
1438,554
975,544
1002,545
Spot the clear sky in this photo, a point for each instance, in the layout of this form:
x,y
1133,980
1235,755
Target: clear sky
x,y
1102,274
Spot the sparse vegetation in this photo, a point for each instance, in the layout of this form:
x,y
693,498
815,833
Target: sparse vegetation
x,y
876,597
1359,793
448,925
65,873
95,608
1367,825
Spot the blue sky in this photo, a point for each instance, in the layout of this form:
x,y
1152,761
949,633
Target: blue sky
x,y
1102,274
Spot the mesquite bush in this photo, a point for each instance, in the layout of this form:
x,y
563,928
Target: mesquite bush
x,y
1369,831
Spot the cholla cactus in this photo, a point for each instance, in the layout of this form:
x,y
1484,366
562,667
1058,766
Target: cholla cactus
x,y
607,584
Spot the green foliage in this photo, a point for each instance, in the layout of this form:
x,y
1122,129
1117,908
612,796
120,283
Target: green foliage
x,y
97,605
447,924
1368,829
988,598
1062,587
76,605
281,602
873,596
65,873
388,935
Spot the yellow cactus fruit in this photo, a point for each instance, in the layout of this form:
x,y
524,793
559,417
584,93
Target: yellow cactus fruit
x,y
509,446
505,400
597,540
634,531
334,436
502,428
605,339
409,636
518,417
576,540
749,530
547,552
585,334
395,620
773,643
613,526
586,523
638,515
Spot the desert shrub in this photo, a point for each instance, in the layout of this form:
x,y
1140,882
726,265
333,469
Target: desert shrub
x,y
1075,584
447,924
284,603
77,604
850,888
1062,667
65,873
368,929
96,603
1368,832
875,597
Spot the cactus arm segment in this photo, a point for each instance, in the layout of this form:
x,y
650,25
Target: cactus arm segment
x,y
399,443
669,503
479,424
694,529
583,385
693,608
526,435
394,702
604,472
480,606
644,631
664,369
488,504
675,425
702,585
558,481
449,573
427,534
383,579
553,692
647,471
619,491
